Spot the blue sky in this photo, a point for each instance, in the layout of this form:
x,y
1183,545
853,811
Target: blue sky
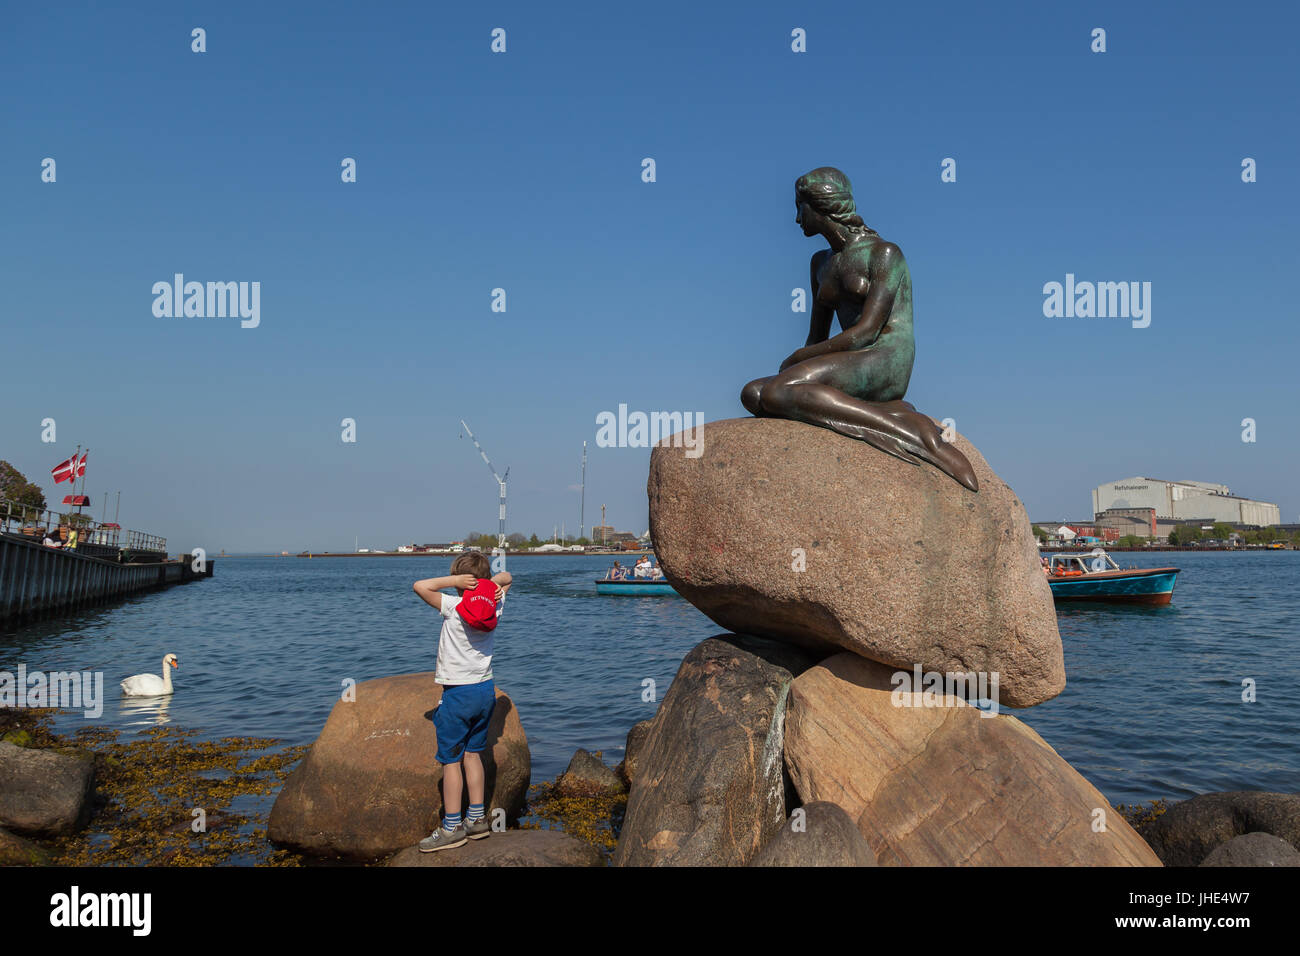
x,y
522,171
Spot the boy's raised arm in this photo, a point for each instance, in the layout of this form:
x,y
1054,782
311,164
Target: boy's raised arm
x,y
429,588
502,580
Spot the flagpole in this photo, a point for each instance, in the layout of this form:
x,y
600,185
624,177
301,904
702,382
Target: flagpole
x,y
81,468
75,455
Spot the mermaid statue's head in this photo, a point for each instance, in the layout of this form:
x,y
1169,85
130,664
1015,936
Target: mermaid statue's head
x,y
828,193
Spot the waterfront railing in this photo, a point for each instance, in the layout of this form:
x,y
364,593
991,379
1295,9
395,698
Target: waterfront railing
x,y
23,519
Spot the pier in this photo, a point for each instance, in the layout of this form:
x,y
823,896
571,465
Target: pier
x,y
36,579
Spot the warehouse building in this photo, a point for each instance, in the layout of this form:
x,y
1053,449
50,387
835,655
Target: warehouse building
x,y
1172,502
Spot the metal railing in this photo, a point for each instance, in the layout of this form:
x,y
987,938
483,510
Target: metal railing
x,y
20,519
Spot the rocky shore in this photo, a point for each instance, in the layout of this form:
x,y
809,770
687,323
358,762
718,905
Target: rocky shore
x,y
163,797
877,620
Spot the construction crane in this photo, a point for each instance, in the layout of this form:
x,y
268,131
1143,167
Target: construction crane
x,y
582,500
501,482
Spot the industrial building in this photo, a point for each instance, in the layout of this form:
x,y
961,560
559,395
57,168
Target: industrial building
x,y
1140,500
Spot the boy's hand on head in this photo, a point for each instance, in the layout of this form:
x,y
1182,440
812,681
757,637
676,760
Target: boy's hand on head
x,y
465,582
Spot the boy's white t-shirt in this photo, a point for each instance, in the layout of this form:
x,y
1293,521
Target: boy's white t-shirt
x,y
464,653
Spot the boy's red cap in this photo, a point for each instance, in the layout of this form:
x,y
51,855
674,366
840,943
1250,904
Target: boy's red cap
x,y
478,606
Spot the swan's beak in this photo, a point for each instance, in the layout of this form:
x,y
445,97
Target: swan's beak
x,y
176,665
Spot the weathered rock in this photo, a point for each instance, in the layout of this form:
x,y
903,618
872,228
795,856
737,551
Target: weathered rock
x,y
709,788
511,848
829,837
43,793
370,785
1254,849
943,785
1189,831
16,851
903,565
636,738
587,776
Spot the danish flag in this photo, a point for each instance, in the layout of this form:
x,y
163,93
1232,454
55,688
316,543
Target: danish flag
x,y
64,470
69,470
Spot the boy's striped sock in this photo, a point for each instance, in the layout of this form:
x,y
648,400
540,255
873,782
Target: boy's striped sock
x,y
451,821
475,813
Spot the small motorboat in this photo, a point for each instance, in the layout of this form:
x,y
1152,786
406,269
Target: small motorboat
x,y
1094,576
637,587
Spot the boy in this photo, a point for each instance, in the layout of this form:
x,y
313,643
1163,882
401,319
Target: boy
x,y
468,693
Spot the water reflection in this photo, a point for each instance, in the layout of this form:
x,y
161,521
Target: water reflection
x,y
146,711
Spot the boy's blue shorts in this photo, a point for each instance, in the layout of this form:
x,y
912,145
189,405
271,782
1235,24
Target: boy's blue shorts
x,y
461,719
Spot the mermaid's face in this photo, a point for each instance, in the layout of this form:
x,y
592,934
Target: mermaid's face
x,y
807,217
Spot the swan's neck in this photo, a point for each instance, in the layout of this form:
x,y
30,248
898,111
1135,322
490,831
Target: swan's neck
x,y
167,677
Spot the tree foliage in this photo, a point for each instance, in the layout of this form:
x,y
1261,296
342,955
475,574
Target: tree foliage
x,y
15,486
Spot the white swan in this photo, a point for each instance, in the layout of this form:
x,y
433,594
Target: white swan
x,y
151,685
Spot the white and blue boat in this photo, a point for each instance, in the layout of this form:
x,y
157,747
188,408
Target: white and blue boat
x,y
1094,576
636,587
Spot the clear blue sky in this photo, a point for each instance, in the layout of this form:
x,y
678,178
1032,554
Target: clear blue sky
x,y
522,171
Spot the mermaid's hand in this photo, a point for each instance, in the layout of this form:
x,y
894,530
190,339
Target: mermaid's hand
x,y
799,355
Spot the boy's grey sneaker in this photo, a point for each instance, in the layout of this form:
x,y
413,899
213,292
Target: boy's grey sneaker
x,y
443,839
478,829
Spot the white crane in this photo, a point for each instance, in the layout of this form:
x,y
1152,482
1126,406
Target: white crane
x,y
501,482
582,500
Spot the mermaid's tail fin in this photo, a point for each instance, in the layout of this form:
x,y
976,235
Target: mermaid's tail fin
x,y
943,455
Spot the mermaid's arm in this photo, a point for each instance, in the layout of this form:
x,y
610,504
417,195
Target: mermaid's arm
x,y
819,323
878,292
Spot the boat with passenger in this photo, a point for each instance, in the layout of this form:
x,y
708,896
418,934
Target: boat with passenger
x,y
643,579
1094,576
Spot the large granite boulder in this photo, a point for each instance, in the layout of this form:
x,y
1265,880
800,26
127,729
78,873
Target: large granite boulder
x,y
709,788
943,784
511,848
1254,849
819,834
370,785
1186,833
44,793
587,776
901,564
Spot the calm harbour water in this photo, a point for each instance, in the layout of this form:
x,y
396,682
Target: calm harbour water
x,y
1152,708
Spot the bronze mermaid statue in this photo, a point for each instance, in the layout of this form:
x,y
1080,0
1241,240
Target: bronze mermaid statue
x,y
854,382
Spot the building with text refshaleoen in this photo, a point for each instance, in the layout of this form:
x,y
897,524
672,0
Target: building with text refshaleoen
x,y
1176,501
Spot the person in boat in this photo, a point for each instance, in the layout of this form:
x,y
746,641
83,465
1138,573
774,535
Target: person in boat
x,y
616,573
643,567
854,382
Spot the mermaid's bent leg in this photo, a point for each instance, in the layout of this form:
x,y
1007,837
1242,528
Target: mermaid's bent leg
x,y
896,428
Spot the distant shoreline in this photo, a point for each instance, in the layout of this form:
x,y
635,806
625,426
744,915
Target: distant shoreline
x,y
442,554
1163,547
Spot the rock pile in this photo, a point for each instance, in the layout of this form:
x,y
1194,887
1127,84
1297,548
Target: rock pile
x,y
852,580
